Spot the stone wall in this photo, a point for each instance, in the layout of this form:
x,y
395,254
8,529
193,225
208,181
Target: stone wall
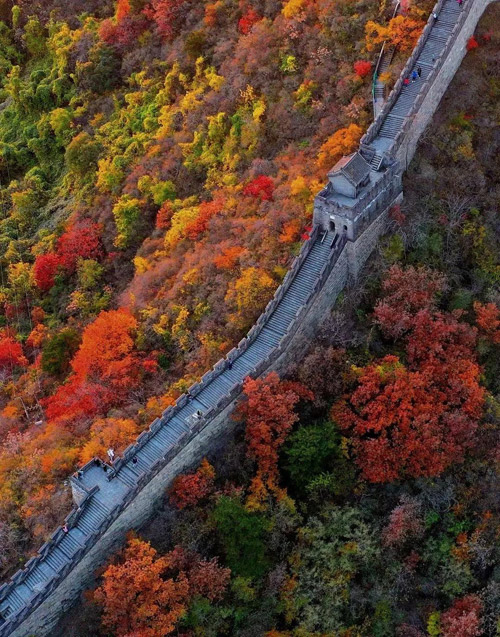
x,y
429,102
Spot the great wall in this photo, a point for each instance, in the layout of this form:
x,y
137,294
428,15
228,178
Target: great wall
x,y
350,214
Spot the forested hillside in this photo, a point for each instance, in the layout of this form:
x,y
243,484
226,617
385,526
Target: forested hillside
x,y
158,162
359,498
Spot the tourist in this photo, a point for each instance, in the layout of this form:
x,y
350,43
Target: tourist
x,y
419,71
406,81
134,460
111,454
65,528
414,76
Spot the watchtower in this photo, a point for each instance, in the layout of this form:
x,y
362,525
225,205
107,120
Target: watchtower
x,y
355,195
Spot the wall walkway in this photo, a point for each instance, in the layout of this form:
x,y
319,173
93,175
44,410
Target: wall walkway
x,y
112,499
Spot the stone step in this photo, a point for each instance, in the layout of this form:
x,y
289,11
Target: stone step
x,y
126,476
56,559
148,455
69,544
376,161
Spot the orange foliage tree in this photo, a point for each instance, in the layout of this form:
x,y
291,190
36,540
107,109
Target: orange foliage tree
x,y
488,321
342,142
402,32
104,368
116,433
269,415
140,596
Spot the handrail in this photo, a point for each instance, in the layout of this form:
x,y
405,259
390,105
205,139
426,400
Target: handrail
x,y
380,56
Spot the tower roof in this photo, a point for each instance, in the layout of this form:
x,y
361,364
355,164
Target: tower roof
x,y
353,167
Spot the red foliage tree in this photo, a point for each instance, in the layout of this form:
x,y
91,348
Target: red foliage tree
x,y
362,68
405,292
187,490
415,421
45,269
124,33
208,579
208,209
269,414
82,241
405,523
261,187
408,424
164,216
247,21
205,577
488,321
167,15
463,618
472,44
11,353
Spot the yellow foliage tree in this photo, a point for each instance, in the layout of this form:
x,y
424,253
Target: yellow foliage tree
x,y
342,142
249,294
116,433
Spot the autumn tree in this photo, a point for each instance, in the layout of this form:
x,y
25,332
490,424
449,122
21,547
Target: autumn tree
x,y
45,270
81,241
11,353
362,68
167,15
415,419
405,291
247,21
402,32
249,294
405,523
104,433
104,367
189,489
488,321
140,595
206,578
261,187
407,424
268,411
342,142
463,618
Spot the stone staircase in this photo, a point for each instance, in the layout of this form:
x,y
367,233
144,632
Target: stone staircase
x,y
106,494
434,46
376,161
